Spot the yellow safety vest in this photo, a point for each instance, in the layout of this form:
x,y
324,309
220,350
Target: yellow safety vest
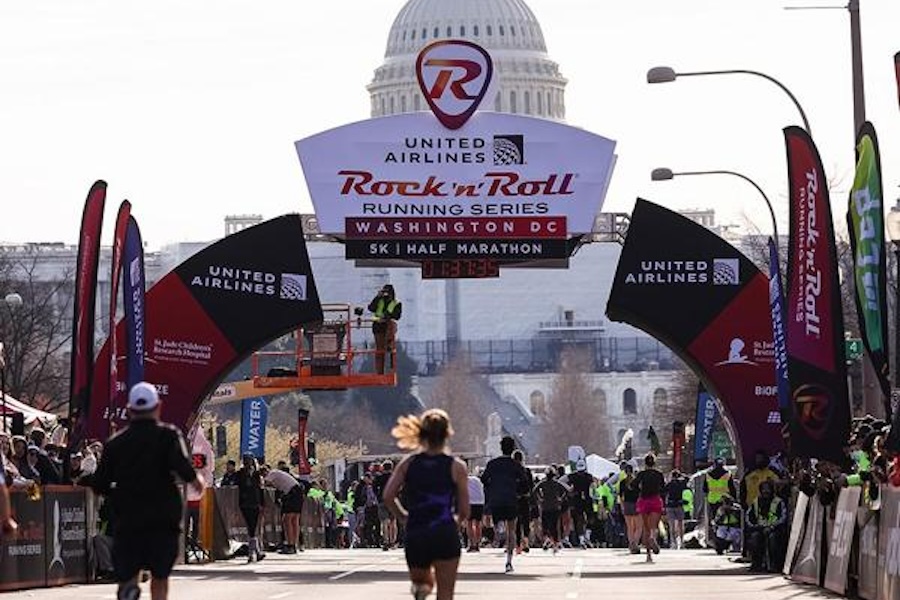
x,y
381,310
772,517
716,488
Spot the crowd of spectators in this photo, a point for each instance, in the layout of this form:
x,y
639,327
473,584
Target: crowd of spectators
x,y
36,459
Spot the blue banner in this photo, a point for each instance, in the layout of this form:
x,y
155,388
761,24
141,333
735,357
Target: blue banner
x,y
706,419
133,290
776,301
254,414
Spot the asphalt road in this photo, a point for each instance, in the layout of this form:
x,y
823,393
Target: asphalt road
x,y
377,575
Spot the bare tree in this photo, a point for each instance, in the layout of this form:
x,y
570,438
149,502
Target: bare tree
x,y
573,417
37,333
456,391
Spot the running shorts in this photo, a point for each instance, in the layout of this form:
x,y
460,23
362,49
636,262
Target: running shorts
x,y
292,502
423,548
155,551
651,505
476,512
504,513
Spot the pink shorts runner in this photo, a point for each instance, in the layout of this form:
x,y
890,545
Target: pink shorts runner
x,y
651,505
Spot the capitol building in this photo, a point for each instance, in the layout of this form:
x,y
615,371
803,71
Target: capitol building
x,y
512,327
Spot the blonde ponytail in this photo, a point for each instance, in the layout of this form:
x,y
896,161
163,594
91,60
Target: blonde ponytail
x,y
407,432
431,429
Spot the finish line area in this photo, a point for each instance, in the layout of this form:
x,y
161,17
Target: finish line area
x,y
377,575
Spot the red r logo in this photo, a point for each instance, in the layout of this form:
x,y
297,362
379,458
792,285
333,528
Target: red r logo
x,y
459,67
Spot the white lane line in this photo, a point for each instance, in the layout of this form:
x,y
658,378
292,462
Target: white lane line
x,y
278,596
362,568
576,577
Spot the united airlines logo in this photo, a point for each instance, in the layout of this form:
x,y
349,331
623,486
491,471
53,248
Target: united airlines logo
x,y
454,76
726,271
293,286
509,150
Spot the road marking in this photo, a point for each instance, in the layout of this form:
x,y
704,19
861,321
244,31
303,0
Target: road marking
x,y
362,568
576,577
282,595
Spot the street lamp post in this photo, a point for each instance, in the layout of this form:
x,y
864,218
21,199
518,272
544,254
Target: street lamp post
x,y
664,174
893,226
668,74
12,301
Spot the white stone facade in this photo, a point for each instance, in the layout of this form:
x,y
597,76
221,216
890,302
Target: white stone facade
x,y
527,81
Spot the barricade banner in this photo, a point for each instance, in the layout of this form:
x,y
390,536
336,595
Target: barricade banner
x,y
867,588
889,545
227,504
271,520
797,530
842,540
808,565
65,524
22,562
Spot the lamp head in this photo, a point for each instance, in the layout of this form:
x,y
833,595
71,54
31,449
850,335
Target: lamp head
x,y
661,75
892,220
661,174
13,300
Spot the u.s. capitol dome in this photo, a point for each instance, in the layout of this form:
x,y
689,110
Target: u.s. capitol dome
x,y
528,82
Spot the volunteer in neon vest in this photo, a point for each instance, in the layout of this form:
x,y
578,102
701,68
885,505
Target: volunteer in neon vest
x,y
766,520
717,483
386,309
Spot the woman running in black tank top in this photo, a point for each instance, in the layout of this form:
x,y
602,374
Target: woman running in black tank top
x,y
437,494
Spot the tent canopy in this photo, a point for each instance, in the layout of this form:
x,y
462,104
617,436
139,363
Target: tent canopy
x,y
33,416
599,467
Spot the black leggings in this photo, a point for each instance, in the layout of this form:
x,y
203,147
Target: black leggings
x,y
523,528
251,516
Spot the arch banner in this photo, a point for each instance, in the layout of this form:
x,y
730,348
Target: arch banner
x,y
695,292
210,313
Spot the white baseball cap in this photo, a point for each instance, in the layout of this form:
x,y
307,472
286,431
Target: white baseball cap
x,y
580,465
143,397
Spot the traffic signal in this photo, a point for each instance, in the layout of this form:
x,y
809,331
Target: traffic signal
x,y
221,441
311,451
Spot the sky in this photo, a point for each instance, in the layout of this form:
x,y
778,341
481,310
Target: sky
x,y
190,109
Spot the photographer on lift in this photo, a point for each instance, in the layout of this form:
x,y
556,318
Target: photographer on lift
x,y
386,310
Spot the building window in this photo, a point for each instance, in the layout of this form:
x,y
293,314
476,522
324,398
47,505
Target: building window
x,y
502,31
629,402
527,99
403,104
513,108
381,113
537,403
497,103
437,32
490,30
462,31
417,102
599,398
475,30
642,442
549,105
449,31
540,100
392,105
412,34
512,30
404,35
660,398
424,34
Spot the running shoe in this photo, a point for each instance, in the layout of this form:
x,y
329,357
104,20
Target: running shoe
x,y
419,593
509,567
129,591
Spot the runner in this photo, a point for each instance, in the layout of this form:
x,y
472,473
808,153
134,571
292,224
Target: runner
x,y
136,472
523,505
502,479
250,503
650,482
476,513
433,482
8,525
